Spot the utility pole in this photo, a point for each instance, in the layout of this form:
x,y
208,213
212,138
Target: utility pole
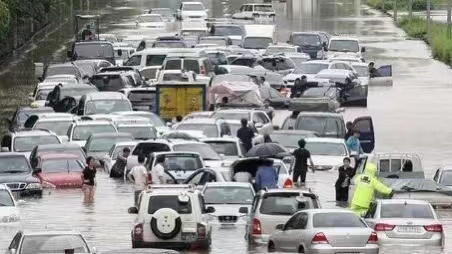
x,y
410,8
395,10
428,20
449,21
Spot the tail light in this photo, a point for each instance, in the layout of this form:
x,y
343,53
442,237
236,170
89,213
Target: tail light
x,y
373,238
288,183
383,227
434,228
201,230
257,230
138,232
202,70
319,238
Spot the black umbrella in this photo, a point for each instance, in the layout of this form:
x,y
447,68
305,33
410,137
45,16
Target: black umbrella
x,y
267,150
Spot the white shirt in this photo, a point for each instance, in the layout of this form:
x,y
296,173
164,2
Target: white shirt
x,y
140,175
243,177
157,172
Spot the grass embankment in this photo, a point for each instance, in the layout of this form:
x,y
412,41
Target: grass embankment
x,y
438,40
418,5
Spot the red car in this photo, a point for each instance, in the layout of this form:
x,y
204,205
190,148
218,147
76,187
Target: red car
x,y
59,170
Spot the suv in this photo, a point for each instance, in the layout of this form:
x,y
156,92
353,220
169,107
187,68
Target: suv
x,y
209,127
171,218
133,75
16,173
258,117
310,43
112,81
24,141
80,131
190,60
191,11
274,207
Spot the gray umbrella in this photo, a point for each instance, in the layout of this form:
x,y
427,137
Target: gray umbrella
x,y
267,150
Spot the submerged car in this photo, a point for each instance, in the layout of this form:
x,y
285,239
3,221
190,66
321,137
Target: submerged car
x,y
59,170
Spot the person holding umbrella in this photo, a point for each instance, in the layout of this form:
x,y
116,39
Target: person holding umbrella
x,y
302,155
266,176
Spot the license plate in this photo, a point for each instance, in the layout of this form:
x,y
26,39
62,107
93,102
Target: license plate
x,y
188,236
408,229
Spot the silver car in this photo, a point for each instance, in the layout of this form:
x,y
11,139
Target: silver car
x,y
319,231
405,221
273,207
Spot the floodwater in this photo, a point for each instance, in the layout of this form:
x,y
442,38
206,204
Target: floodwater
x,y
411,116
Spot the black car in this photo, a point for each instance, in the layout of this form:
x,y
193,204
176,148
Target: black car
x,y
247,60
311,43
16,173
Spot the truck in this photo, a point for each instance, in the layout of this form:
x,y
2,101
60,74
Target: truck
x,y
179,99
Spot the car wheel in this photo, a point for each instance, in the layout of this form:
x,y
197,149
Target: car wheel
x,y
300,249
271,247
166,223
365,103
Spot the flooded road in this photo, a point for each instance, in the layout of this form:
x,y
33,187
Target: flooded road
x,y
412,116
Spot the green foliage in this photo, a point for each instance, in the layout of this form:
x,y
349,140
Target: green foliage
x,y
5,19
418,5
414,27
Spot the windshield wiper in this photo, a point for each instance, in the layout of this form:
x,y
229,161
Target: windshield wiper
x,y
13,171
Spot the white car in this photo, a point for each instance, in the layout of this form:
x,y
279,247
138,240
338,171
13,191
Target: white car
x,y
158,123
9,211
192,11
327,153
171,217
298,58
255,12
340,46
110,159
80,131
176,76
280,49
227,198
150,21
58,125
39,95
229,147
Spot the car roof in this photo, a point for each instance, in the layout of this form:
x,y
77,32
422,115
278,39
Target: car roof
x,y
325,140
58,156
69,64
93,122
343,38
62,232
12,154
228,184
200,121
105,96
403,201
293,132
53,146
110,134
28,133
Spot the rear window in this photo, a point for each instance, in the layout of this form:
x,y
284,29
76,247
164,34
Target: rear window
x,y
141,96
173,64
152,60
172,202
226,148
418,211
285,203
191,65
337,220
108,83
145,149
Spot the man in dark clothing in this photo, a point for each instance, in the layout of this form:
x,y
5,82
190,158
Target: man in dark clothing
x,y
373,72
299,87
118,169
346,173
302,155
246,135
349,126
86,33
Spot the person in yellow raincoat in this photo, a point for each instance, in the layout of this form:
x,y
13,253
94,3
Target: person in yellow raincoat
x,y
366,185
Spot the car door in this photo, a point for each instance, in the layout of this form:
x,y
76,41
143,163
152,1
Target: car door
x,y
248,14
14,245
267,126
385,78
369,217
288,236
366,128
357,94
195,178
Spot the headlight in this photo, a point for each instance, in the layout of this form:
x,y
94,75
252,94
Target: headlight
x,y
319,54
34,186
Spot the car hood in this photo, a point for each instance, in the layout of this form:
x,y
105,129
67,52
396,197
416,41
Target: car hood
x,y
62,179
322,160
11,178
215,164
332,54
227,209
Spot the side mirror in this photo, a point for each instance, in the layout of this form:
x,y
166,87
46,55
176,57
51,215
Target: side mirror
x,y
119,52
210,209
243,210
5,149
69,54
363,49
279,227
132,210
37,171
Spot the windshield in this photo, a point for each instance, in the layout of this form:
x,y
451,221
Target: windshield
x,y
33,244
228,195
218,58
206,151
93,50
327,149
284,203
307,40
59,127
109,83
107,106
42,94
169,44
286,140
299,60
363,71
193,7
104,144
257,42
311,68
324,126
79,91
183,162
172,202
26,144
62,70
209,130
139,132
418,211
16,164
219,42
279,50
337,220
277,64
5,198
263,8
153,18
83,132
227,30
226,148
61,166
344,46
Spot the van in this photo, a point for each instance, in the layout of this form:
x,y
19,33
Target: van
x,y
147,57
259,36
190,60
